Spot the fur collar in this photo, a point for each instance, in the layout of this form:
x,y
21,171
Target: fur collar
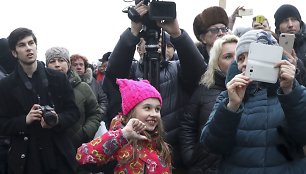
x,y
87,77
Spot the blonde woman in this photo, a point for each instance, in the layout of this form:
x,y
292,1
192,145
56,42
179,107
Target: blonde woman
x,y
212,84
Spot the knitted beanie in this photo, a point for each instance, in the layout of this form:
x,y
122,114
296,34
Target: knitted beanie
x,y
285,11
57,52
134,92
255,35
210,16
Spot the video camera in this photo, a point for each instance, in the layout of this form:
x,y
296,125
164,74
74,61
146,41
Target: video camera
x,y
158,11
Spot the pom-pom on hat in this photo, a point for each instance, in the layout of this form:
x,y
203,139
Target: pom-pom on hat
x,y
255,35
57,52
210,16
134,92
286,11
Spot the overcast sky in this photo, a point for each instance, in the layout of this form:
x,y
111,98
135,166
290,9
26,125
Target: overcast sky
x,y
93,27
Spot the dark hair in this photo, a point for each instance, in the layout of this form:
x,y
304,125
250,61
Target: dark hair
x,y
254,19
17,35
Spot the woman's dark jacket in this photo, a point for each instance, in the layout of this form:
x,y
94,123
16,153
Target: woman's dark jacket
x,y
265,135
96,88
178,79
90,115
196,114
34,147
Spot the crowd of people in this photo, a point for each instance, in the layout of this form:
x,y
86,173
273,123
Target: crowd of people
x,y
204,115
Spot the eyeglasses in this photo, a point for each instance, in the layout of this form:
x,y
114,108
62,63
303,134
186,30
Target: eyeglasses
x,y
216,30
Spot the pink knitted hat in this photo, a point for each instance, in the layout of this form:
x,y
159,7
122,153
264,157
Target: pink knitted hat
x,y
134,92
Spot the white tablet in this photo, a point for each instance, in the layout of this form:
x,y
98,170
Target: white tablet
x,y
261,61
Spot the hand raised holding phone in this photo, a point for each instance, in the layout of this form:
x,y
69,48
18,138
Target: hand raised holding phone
x,y
286,40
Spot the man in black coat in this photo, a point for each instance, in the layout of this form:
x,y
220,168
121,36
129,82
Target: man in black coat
x,y
7,64
178,79
38,145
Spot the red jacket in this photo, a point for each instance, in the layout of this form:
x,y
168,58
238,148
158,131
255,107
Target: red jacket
x,y
112,145
99,75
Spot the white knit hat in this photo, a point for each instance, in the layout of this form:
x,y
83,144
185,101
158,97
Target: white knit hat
x,y
255,35
57,52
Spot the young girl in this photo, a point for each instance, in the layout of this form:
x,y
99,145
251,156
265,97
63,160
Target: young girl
x,y
135,138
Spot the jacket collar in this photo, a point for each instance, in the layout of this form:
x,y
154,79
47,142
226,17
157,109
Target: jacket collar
x,y
25,80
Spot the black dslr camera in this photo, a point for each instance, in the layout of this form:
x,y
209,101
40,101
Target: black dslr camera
x,y
49,117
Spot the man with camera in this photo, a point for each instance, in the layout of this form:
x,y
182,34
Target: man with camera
x,y
36,108
178,79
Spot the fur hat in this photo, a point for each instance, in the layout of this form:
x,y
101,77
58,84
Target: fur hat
x,y
133,92
285,11
57,52
210,16
256,35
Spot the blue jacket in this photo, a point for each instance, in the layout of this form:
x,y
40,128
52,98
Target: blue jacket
x,y
265,135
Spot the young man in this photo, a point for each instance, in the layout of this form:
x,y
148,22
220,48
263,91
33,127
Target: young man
x,y
38,136
288,20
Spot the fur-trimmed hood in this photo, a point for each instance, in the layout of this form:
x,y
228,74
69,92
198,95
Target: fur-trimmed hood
x,y
88,76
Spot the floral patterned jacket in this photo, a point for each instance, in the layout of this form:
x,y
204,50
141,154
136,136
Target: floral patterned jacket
x,y
113,146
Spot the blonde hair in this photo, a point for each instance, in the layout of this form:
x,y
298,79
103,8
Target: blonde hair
x,y
208,78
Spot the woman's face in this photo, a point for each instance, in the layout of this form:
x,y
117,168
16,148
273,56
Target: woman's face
x,y
59,64
227,56
242,60
148,111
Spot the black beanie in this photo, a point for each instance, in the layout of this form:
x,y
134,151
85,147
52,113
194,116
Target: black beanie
x,y
286,11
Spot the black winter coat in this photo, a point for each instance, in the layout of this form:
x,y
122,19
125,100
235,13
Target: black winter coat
x,y
197,112
32,147
178,81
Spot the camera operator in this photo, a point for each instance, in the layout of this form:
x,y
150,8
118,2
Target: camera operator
x,y
178,79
